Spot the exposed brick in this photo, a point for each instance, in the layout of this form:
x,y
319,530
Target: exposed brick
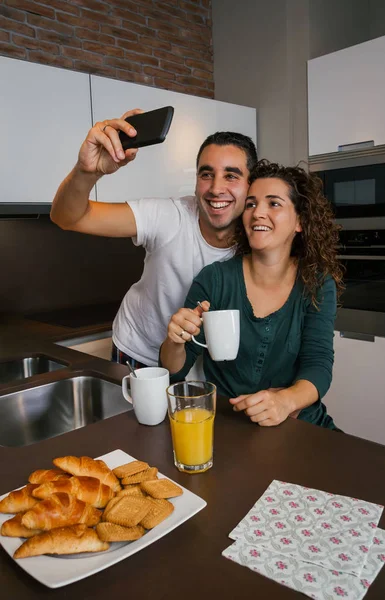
x,y
79,54
158,73
171,85
4,36
198,64
202,74
94,36
155,43
142,58
126,5
49,24
192,81
139,29
205,54
135,47
56,38
10,13
135,77
103,49
62,5
185,22
102,7
200,10
101,17
162,15
164,27
12,51
16,27
31,7
48,59
94,69
121,63
183,40
82,22
130,16
119,33
169,56
174,68
34,44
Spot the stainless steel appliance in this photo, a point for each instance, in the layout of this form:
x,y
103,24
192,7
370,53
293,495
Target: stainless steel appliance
x,y
354,182
363,254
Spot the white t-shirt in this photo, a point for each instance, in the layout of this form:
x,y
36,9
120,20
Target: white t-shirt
x,y
176,252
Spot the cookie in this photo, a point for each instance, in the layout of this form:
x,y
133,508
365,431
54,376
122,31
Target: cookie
x,y
129,511
150,473
131,490
110,532
136,466
161,488
160,509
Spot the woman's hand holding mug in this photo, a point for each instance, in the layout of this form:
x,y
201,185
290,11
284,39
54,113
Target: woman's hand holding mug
x,y
186,322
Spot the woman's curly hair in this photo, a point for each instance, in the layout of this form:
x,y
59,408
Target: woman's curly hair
x,y
316,246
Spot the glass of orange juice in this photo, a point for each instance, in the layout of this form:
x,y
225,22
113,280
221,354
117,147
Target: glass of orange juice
x,y
191,409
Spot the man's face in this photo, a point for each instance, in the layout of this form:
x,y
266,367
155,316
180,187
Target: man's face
x,y
221,187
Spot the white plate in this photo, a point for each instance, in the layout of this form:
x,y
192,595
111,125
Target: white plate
x,y
55,572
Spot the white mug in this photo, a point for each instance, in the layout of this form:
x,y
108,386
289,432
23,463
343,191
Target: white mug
x,y
147,393
221,329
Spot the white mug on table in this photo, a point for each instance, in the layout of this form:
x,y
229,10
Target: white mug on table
x,y
221,329
147,393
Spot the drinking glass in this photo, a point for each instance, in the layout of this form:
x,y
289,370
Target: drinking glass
x,y
191,409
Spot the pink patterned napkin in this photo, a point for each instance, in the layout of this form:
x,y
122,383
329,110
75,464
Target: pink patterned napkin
x,y
331,531
314,581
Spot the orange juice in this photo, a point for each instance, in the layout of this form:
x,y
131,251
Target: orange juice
x,y
192,435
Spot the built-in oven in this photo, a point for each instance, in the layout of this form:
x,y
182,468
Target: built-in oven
x,y
354,183
362,253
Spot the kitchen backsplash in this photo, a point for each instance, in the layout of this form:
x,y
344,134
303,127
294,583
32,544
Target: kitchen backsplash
x,y
44,268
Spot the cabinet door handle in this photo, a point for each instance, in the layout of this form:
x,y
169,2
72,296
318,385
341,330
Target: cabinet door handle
x,y
362,337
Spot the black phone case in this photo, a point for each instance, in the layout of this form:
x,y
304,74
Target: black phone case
x,y
152,128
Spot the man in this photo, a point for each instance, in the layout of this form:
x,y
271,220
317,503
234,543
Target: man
x,y
180,236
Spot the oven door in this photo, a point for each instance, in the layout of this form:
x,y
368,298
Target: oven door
x,y
356,192
365,282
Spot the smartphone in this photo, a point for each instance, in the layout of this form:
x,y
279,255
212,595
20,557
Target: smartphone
x,y
151,127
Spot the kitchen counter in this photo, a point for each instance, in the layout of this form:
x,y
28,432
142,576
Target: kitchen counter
x,y
187,563
361,322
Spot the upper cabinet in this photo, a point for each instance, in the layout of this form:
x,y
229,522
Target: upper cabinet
x,y
45,114
166,169
346,97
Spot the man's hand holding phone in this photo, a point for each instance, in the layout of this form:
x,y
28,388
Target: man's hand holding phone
x,y
101,152
113,143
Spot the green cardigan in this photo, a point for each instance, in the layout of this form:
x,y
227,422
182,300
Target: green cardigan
x,y
295,342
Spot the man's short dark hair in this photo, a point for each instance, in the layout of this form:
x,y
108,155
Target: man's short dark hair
x,y
229,138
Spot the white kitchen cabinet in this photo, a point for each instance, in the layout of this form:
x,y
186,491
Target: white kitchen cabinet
x,y
45,113
346,97
356,399
166,169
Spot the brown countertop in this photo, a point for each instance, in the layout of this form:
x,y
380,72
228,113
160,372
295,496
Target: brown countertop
x,y
186,563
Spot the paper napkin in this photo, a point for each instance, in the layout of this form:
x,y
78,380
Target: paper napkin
x,y
324,545
332,531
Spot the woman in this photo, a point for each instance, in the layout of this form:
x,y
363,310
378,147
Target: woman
x,y
285,279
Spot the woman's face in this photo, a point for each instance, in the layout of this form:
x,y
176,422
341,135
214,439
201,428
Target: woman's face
x,y
269,217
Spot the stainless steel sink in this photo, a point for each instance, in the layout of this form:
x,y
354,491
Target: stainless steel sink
x,y
21,368
44,411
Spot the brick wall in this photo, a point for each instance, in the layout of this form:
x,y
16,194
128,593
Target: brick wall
x,y
165,44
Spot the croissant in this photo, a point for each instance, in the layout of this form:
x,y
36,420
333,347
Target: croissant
x,y
19,500
60,510
84,465
44,475
64,540
14,528
88,489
